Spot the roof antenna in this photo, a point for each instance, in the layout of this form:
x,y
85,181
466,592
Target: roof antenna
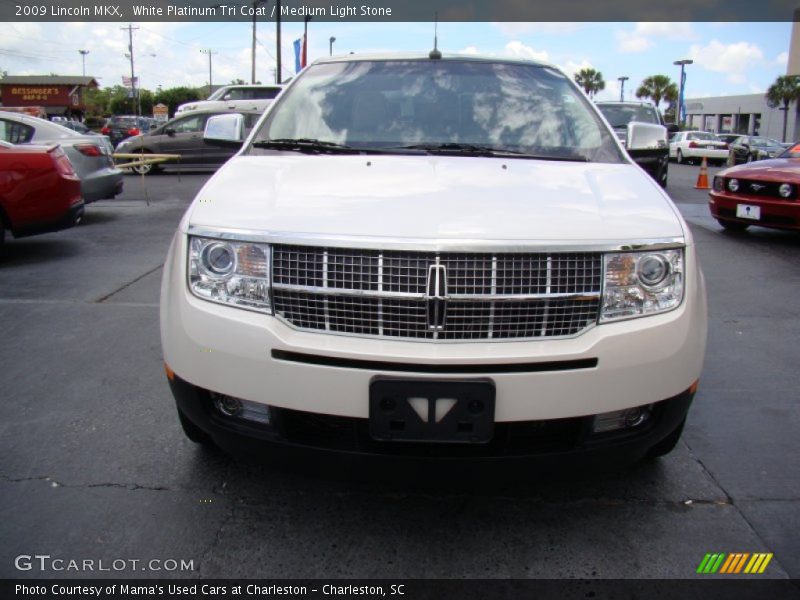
x,y
435,54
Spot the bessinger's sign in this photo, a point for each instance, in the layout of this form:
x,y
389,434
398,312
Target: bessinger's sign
x,y
43,95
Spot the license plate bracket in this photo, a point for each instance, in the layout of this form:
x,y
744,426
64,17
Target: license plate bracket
x,y
431,410
748,211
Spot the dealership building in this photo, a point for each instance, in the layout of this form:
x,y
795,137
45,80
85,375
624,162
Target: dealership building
x,y
747,114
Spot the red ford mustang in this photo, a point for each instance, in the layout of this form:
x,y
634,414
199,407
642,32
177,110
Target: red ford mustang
x,y
39,190
765,193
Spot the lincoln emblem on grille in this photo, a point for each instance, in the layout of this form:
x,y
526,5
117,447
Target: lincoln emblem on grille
x,y
437,297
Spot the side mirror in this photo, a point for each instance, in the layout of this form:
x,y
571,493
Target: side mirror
x,y
673,128
225,130
169,131
646,136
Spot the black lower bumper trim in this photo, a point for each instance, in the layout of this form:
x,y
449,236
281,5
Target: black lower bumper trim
x,y
316,442
377,365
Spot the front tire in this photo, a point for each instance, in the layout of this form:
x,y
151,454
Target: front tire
x,y
679,157
733,225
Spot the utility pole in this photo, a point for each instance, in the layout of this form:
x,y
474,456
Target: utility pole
x,y
253,50
682,64
137,106
210,54
330,46
278,77
83,54
622,81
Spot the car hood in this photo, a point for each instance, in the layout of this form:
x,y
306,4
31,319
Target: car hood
x,y
435,198
774,169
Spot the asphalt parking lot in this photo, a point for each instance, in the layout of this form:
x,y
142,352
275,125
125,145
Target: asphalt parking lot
x,y
93,464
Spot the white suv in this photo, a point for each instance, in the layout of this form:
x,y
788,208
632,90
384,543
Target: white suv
x,y
433,257
235,97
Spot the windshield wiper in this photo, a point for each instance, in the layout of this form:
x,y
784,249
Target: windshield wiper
x,y
306,145
479,150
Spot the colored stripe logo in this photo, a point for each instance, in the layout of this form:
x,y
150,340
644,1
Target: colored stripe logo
x,y
735,563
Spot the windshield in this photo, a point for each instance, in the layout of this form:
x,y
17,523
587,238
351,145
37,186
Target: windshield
x,y
761,141
619,115
395,105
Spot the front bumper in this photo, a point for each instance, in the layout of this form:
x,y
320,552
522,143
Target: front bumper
x,y
779,214
254,356
309,437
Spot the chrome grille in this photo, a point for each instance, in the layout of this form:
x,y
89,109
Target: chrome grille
x,y
489,296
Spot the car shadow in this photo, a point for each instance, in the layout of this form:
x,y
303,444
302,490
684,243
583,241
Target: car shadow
x,y
35,249
96,216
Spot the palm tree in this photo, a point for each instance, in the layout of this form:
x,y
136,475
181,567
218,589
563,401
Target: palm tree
x,y
658,88
785,90
590,80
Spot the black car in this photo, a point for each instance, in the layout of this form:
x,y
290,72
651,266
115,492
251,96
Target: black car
x,y
121,127
620,114
183,135
747,148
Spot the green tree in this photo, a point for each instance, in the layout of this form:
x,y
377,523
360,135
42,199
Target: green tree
x,y
590,80
784,91
658,88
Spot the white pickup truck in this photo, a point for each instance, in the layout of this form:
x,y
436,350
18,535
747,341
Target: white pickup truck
x,y
439,258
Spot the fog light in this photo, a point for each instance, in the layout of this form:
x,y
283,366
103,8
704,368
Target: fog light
x,y
227,405
621,419
242,409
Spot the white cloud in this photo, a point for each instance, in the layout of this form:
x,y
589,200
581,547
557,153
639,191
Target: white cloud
x,y
630,43
469,50
519,50
571,67
732,59
782,59
643,34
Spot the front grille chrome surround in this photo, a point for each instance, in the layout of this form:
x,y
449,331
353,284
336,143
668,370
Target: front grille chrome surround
x,y
473,296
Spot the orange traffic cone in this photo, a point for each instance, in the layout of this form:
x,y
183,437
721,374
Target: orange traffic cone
x,y
702,178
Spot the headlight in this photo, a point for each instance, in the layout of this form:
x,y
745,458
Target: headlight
x,y
234,273
785,190
733,185
719,184
638,284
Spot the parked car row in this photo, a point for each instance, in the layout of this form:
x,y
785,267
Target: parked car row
x,y
691,146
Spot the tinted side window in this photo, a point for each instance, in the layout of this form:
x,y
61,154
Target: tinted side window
x,y
15,133
189,124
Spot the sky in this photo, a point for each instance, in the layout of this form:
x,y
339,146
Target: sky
x,y
729,58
